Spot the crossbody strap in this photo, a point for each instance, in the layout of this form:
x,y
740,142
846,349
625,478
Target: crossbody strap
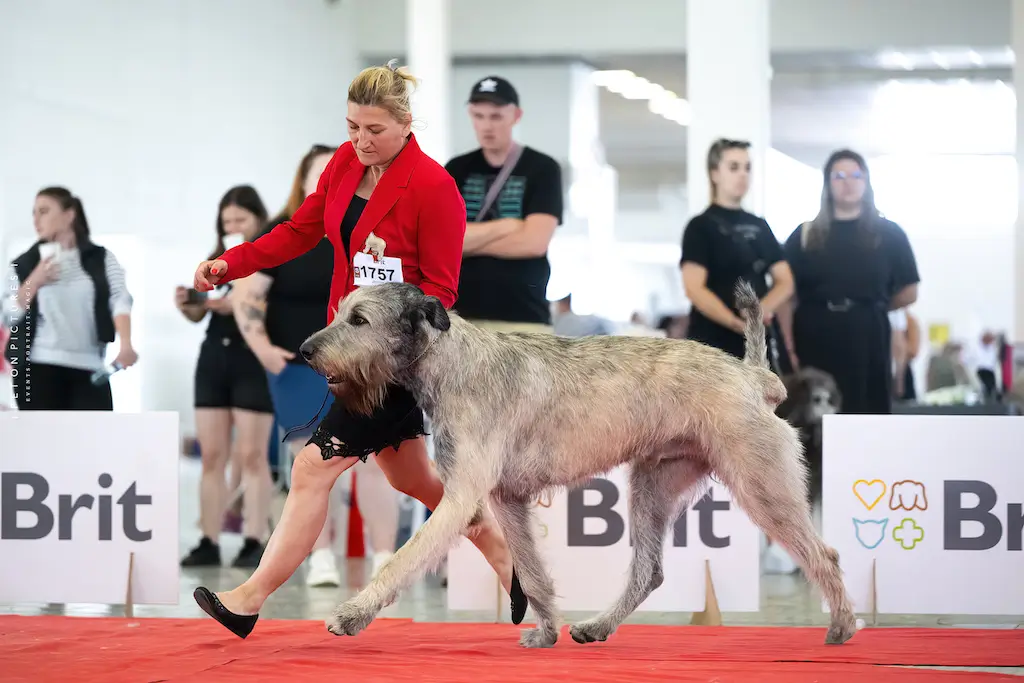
x,y
506,170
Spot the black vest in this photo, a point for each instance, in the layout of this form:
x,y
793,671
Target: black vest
x,y
94,259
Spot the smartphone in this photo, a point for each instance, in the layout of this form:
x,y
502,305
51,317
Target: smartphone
x,y
194,296
49,250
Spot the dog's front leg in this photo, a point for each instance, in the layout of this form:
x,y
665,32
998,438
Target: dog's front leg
x,y
465,489
516,523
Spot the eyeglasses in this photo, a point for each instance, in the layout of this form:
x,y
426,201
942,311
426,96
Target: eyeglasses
x,y
843,175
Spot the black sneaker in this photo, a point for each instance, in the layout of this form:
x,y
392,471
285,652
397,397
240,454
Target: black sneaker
x,y
206,554
250,555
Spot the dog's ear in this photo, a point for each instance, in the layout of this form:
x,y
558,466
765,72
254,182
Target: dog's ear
x,y
429,309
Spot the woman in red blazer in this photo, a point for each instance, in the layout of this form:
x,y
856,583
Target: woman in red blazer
x,y
381,202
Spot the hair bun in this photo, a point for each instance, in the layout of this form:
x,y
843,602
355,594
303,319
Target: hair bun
x,y
392,64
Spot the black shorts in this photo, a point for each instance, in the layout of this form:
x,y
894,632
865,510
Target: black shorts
x,y
357,436
228,375
55,387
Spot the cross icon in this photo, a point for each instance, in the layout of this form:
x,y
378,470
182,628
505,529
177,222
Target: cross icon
x,y
908,534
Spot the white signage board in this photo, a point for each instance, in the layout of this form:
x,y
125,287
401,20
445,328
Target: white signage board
x,y
935,502
584,538
80,492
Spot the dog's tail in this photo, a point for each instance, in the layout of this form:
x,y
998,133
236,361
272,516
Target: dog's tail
x,y
756,351
756,347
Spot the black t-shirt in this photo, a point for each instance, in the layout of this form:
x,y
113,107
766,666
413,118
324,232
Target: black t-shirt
x,y
510,290
852,265
730,244
298,298
223,327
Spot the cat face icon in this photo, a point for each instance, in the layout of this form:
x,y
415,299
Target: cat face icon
x,y
870,532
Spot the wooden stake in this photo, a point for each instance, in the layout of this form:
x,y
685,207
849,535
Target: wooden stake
x,y
874,592
129,607
711,615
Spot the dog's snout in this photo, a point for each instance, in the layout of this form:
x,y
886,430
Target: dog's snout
x,y
308,350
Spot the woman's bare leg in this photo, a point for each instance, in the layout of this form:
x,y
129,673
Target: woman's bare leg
x,y
213,429
410,471
378,505
305,511
252,438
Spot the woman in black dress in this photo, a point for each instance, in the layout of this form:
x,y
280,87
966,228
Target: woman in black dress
x,y
851,267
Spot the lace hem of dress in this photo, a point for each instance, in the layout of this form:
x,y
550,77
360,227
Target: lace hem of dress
x,y
332,447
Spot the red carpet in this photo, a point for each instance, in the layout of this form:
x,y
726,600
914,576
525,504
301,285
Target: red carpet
x,y
116,650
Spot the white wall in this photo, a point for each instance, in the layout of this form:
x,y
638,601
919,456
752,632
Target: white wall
x,y
149,111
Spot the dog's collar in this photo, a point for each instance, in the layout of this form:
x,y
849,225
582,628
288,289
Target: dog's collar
x,y
422,353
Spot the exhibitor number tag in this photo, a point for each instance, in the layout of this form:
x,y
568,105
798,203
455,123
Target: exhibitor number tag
x,y
368,272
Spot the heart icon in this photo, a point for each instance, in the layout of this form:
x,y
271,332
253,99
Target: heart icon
x,y
869,492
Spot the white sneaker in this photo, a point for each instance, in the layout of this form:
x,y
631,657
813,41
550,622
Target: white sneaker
x,y
322,570
378,561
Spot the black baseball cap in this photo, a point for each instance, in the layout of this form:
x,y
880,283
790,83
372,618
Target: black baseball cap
x,y
494,89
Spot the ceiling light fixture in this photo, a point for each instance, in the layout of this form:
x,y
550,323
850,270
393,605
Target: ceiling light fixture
x,y
660,101
896,60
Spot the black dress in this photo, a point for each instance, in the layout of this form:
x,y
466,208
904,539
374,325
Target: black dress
x,y
843,291
343,433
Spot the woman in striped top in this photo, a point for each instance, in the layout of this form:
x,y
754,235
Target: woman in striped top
x,y
65,299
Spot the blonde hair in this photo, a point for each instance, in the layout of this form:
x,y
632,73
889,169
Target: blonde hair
x,y
387,87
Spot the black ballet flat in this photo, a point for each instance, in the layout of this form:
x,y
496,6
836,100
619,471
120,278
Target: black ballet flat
x,y
239,624
519,600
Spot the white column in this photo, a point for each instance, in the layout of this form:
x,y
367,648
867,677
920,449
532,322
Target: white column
x,y
428,55
1018,234
728,86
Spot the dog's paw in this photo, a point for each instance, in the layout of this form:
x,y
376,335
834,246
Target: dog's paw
x,y
349,619
839,634
590,631
538,637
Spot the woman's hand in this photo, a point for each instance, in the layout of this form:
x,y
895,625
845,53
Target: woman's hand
x,y
273,358
45,272
209,274
127,356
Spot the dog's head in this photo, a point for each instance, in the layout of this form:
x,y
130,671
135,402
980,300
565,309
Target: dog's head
x,y
378,332
812,394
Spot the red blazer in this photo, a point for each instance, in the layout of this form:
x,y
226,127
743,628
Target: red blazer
x,y
416,209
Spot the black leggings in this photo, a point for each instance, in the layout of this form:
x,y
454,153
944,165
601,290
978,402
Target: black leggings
x,y
54,387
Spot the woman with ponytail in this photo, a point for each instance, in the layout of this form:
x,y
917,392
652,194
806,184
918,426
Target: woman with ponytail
x,y
65,300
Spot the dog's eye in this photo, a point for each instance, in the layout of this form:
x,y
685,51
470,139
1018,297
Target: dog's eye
x,y
357,320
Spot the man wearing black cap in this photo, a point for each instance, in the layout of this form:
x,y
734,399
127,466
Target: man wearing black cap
x,y
513,198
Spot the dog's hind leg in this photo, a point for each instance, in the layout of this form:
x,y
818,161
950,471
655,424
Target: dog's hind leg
x,y
516,523
654,497
766,479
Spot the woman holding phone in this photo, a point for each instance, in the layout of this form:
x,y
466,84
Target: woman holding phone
x,y
231,395
64,300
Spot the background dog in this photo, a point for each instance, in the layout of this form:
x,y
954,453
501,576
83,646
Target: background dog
x,y
515,415
811,394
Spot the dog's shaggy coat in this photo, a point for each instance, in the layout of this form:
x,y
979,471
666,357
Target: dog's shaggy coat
x,y
516,414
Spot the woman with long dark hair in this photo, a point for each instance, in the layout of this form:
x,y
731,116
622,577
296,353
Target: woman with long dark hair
x,y
65,300
851,267
231,398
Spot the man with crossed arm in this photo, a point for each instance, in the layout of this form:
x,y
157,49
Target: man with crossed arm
x,y
505,269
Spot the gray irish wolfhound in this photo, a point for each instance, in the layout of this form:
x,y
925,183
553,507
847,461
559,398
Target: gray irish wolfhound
x,y
515,415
